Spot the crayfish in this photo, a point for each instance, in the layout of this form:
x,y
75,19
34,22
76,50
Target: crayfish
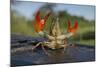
x,y
56,39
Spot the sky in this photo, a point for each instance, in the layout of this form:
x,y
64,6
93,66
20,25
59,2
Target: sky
x,y
28,8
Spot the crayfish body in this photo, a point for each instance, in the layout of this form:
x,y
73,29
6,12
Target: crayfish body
x,y
56,39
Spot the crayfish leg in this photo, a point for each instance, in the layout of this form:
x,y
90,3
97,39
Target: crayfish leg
x,y
45,50
36,46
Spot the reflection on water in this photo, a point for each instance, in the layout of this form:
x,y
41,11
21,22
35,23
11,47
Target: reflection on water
x,y
76,54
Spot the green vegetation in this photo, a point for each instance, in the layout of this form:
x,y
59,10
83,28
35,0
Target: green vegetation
x,y
20,25
88,42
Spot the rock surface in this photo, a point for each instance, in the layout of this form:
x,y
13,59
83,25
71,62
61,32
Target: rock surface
x,y
22,53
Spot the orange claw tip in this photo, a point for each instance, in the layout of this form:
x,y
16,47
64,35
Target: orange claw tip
x,y
76,24
37,17
71,28
39,26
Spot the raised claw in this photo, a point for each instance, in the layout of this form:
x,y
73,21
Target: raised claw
x,y
40,23
72,29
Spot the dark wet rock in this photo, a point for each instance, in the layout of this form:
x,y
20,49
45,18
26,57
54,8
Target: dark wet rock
x,y
23,53
69,56
16,38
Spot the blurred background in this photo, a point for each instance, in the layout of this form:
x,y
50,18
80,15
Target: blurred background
x,y
23,17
